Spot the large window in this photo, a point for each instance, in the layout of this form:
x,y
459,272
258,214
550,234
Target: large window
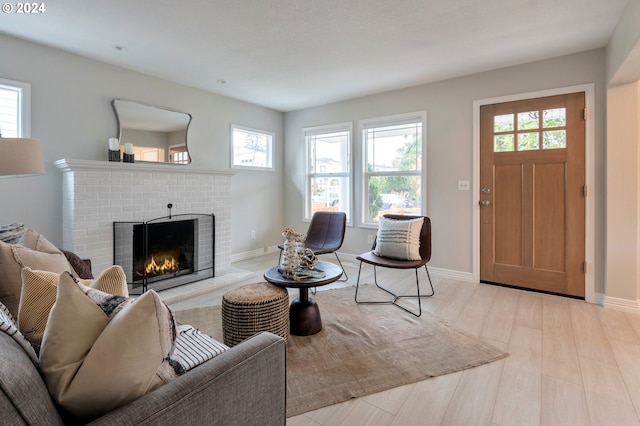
x,y
393,165
14,109
328,172
251,148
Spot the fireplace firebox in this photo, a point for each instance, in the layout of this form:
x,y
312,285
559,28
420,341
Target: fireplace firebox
x,y
165,252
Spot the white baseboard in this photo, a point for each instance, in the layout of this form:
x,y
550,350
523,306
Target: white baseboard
x,y
253,253
451,274
348,259
625,305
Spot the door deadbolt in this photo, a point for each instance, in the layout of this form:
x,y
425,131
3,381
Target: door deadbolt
x,y
486,190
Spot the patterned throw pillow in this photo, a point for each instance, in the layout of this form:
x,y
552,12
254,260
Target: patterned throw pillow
x,y
399,239
39,289
12,232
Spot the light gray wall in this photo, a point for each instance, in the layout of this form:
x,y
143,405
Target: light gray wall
x,y
72,116
623,159
449,106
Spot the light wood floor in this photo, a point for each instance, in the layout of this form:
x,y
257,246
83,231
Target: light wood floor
x,y
570,363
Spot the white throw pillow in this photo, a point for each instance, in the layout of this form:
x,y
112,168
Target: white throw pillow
x,y
399,239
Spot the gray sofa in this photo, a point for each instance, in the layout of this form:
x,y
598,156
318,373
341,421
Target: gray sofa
x,y
245,385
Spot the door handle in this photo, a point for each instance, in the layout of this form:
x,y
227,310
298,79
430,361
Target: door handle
x,y
485,203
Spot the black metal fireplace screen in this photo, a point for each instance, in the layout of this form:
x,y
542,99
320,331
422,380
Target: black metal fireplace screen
x,y
165,252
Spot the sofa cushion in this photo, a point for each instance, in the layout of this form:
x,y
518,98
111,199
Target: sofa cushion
x,y
44,256
101,351
24,399
399,239
39,289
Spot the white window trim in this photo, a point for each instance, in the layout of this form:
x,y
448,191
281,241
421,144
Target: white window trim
x,y
381,122
24,115
316,130
254,130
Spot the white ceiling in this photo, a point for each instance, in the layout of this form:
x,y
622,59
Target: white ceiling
x,y
292,54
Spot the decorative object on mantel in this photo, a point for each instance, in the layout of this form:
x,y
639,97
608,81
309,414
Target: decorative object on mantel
x,y
114,149
297,262
128,153
20,157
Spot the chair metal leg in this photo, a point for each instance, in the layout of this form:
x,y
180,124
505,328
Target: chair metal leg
x,y
346,277
396,296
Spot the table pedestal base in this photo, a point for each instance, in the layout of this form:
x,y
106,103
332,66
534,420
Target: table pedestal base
x,y
304,315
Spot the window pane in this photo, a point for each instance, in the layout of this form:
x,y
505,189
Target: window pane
x,y
503,123
555,117
329,153
554,139
394,148
503,143
528,120
330,194
252,149
393,194
528,141
9,110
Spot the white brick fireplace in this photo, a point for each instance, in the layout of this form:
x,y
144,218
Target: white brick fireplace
x,y
98,193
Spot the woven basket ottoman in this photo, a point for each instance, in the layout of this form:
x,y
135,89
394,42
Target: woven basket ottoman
x,y
252,308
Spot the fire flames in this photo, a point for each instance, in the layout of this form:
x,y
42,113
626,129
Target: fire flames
x,y
153,267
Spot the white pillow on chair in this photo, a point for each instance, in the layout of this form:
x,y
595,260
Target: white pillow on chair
x,y
399,239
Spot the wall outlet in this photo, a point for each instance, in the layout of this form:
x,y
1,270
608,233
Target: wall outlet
x,y
253,234
464,185
369,239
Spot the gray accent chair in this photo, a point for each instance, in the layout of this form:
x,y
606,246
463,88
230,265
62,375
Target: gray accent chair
x,y
245,385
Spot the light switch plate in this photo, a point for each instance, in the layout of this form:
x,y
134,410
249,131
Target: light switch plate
x,y
463,185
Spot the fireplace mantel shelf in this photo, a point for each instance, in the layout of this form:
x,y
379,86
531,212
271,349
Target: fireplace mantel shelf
x,y
67,165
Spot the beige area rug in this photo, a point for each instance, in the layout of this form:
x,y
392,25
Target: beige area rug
x,y
362,349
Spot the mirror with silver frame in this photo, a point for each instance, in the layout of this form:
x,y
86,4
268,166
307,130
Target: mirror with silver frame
x,y
157,134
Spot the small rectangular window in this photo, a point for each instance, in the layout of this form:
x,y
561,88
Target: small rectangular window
x,y
251,148
15,109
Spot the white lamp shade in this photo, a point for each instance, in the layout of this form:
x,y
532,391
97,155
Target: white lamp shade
x,y
20,156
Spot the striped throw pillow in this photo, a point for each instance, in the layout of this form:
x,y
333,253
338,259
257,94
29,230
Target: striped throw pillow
x,y
399,239
193,348
8,325
12,232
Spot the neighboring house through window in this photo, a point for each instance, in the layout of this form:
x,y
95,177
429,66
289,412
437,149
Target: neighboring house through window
x,y
15,109
251,148
328,169
393,172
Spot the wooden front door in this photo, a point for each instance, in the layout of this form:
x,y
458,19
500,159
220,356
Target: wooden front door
x,y
532,206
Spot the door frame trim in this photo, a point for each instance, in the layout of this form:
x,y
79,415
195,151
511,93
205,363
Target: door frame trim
x,y
590,205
